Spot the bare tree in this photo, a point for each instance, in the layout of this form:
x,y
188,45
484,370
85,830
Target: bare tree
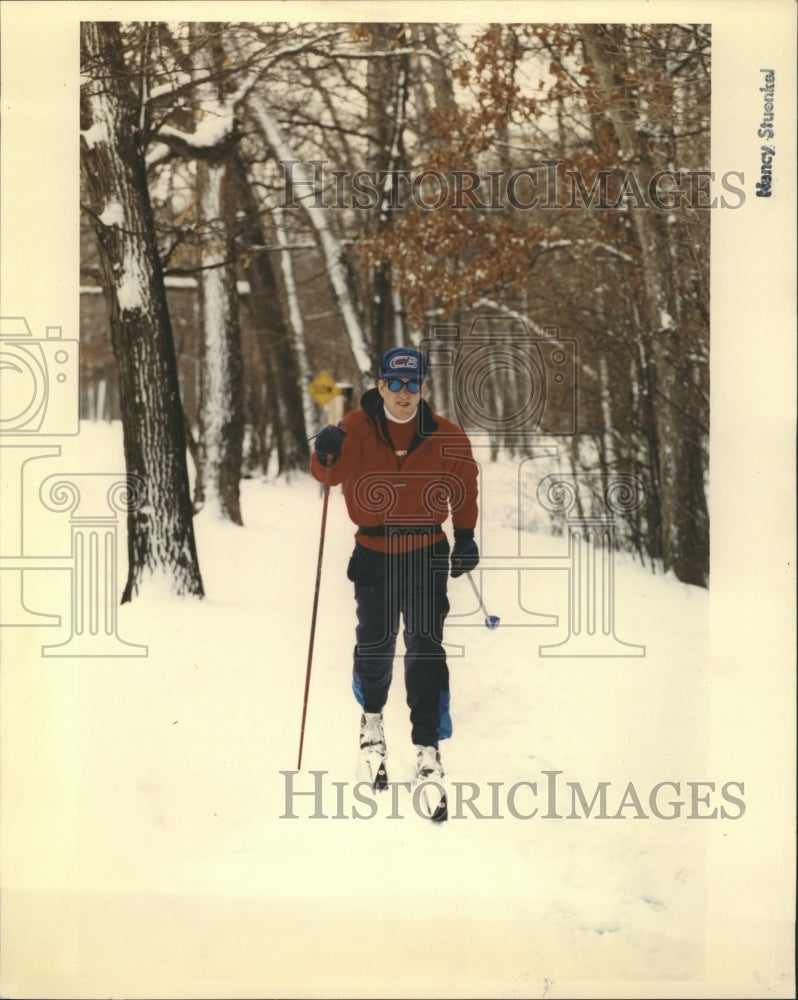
x,y
678,427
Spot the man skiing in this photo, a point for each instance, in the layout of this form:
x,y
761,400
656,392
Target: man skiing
x,y
404,470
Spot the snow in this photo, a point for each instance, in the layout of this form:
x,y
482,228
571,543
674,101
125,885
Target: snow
x,y
132,283
665,320
168,815
95,134
210,131
113,215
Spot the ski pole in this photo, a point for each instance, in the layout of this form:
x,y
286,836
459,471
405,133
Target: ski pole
x,y
315,609
491,621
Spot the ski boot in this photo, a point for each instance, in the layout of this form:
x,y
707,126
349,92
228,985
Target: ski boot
x,y
373,750
429,774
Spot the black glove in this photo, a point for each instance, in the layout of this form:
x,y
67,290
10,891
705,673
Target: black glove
x,y
328,444
465,554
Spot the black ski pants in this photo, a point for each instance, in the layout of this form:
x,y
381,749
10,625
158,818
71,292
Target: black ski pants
x,y
410,585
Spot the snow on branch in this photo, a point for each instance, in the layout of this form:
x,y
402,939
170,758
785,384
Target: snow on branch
x,y
586,244
389,54
329,243
213,132
215,126
485,303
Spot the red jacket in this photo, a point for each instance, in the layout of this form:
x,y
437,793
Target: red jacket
x,y
438,477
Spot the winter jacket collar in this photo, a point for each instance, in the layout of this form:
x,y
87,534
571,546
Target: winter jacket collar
x,y
374,408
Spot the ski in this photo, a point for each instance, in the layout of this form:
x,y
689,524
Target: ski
x,y
372,766
429,775
433,801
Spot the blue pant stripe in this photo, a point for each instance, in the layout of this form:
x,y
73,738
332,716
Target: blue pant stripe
x,y
445,727
358,691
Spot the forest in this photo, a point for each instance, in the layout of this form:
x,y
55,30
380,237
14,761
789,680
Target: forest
x,y
264,202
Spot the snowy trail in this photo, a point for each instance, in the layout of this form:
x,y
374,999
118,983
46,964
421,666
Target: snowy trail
x,y
182,806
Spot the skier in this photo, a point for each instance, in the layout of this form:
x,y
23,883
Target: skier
x,y
404,470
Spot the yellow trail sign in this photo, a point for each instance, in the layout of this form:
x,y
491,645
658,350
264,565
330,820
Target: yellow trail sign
x,y
323,388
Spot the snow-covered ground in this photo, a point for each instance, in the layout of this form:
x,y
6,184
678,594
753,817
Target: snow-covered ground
x,y
159,856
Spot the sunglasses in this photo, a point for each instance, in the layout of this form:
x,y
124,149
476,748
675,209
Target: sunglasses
x,y
397,384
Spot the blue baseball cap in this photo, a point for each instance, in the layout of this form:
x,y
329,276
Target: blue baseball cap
x,y
404,362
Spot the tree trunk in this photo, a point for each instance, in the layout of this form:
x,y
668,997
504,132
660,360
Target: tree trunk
x,y
160,532
221,404
386,89
294,311
221,410
274,338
